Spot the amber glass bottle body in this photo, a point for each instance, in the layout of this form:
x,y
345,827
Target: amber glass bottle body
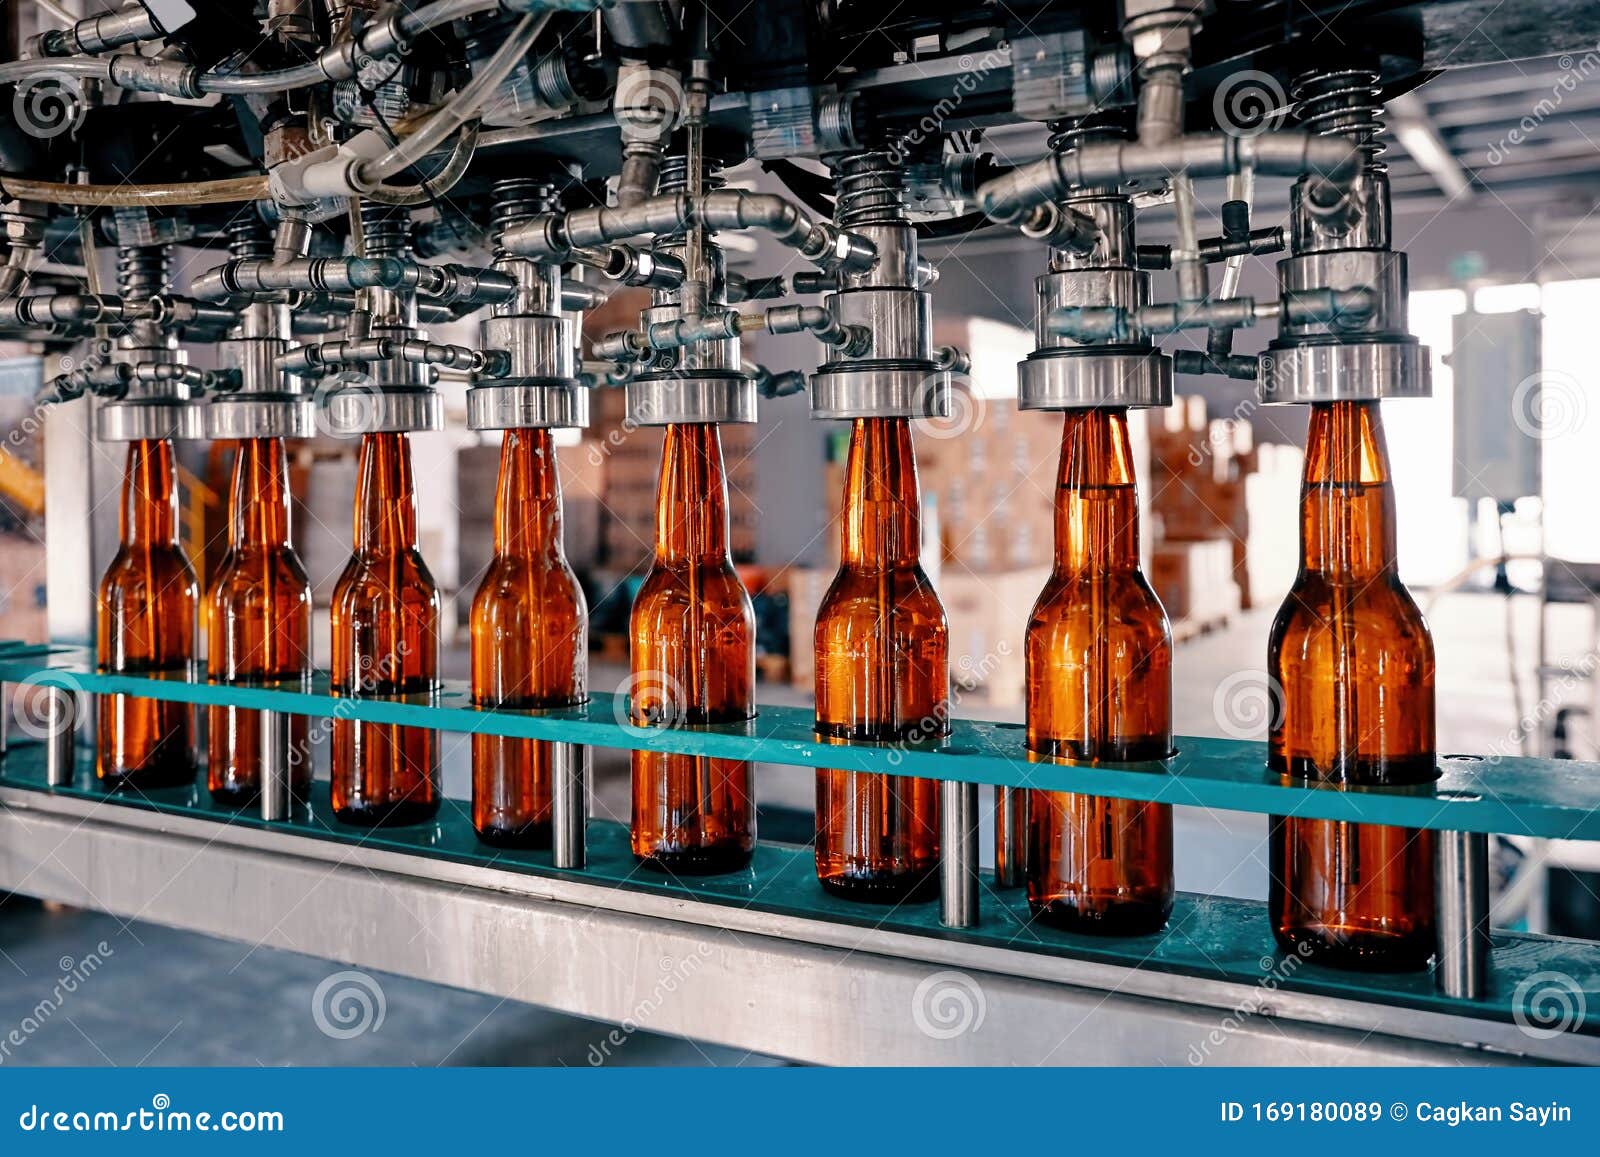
x,y
259,624
147,607
385,627
529,642
692,653
882,674
1099,676
1354,659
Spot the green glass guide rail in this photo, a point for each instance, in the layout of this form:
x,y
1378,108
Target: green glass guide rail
x,y
1209,937
1548,799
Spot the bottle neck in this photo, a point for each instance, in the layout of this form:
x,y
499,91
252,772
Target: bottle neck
x,y
259,503
386,499
692,500
527,505
882,502
1097,498
1347,518
150,495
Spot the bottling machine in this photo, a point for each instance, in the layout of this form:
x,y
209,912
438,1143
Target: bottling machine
x,y
308,157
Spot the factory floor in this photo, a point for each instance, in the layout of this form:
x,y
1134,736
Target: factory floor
x,y
160,997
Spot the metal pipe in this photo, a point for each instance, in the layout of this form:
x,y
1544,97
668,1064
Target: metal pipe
x,y
444,284
1010,836
854,340
576,296
314,358
340,60
276,795
1335,161
1462,911
61,722
958,864
554,236
128,25
569,804
1186,261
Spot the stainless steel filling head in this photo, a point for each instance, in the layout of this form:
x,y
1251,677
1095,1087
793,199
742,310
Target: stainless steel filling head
x,y
234,416
352,409
550,404
847,390
704,396
1344,370
145,419
1094,376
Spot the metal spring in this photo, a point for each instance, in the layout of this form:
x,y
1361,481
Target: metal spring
x,y
869,189
248,237
675,174
1067,135
836,122
518,199
143,271
675,179
385,230
1343,102
552,80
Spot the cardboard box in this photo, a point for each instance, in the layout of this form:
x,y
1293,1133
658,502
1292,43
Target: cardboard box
x,y
1194,580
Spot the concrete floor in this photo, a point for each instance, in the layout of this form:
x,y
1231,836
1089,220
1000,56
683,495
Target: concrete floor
x,y
159,997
